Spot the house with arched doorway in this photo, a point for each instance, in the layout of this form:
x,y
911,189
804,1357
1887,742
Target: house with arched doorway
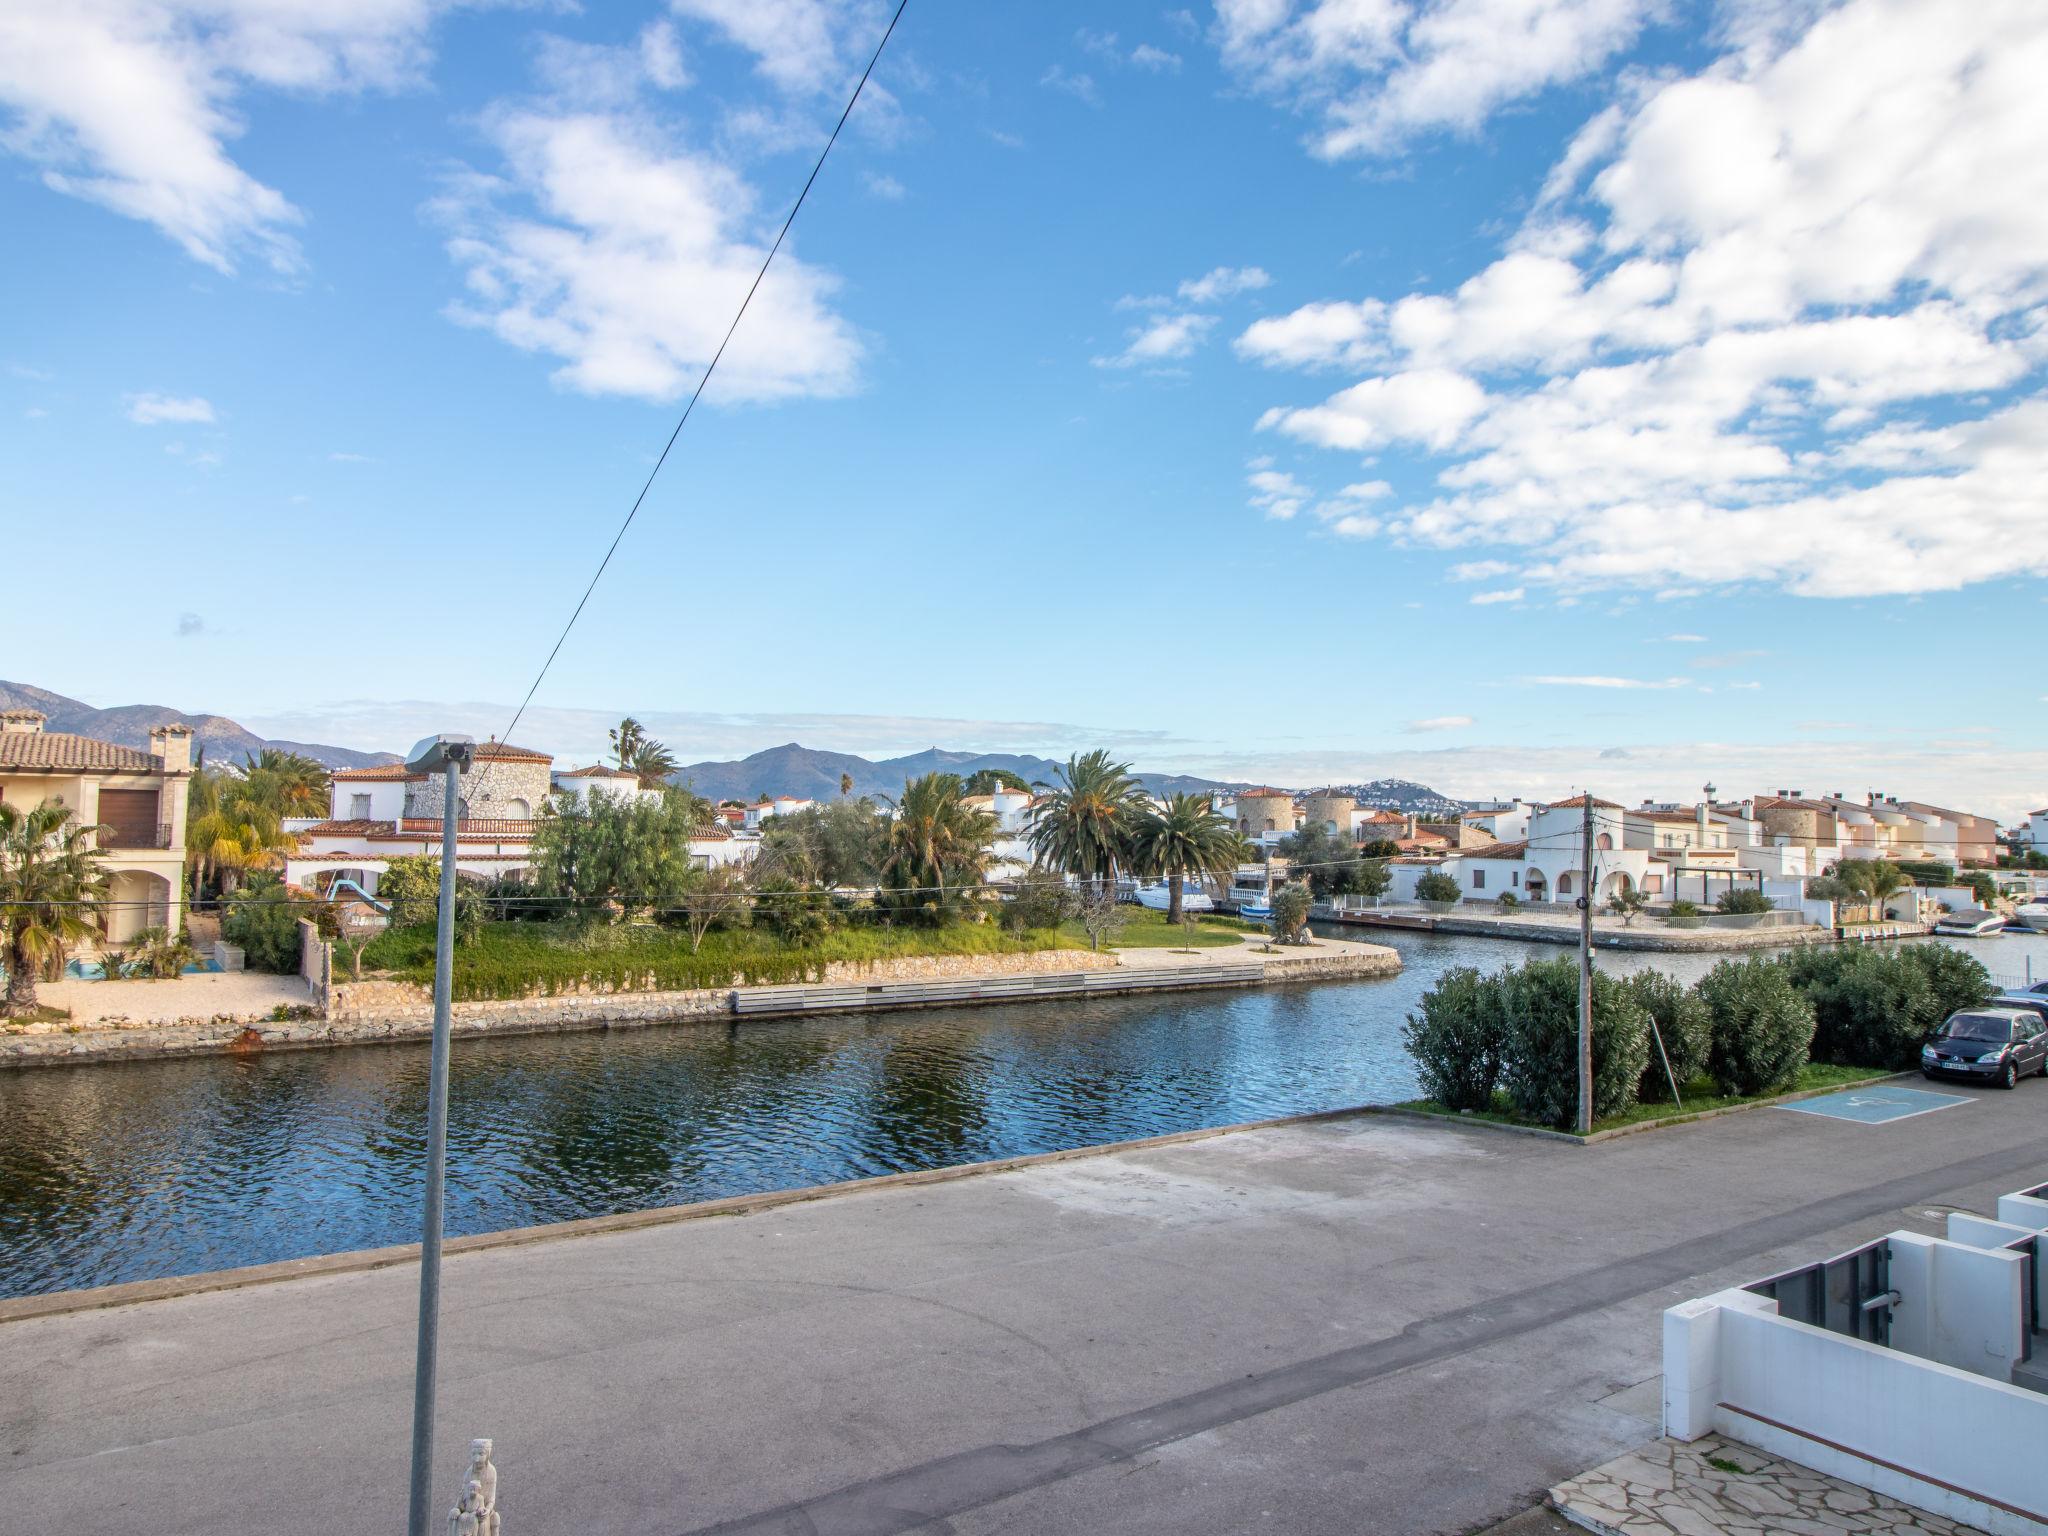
x,y
136,800
1552,857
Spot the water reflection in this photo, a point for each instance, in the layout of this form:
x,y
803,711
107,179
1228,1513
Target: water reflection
x,y
126,1172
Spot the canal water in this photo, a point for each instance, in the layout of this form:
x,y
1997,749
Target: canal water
x,y
129,1172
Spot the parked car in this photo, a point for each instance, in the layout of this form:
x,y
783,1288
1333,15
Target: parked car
x,y
1988,1044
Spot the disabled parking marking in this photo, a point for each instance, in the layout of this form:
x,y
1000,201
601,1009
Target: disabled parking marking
x,y
1877,1105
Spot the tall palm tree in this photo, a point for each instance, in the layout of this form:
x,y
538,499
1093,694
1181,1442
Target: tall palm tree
x,y
50,878
289,783
651,760
1188,837
234,834
1086,818
935,841
845,785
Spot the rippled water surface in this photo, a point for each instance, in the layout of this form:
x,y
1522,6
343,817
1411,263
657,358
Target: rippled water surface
x,y
111,1173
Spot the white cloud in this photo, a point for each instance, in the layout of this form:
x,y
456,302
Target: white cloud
x,y
1275,492
804,47
1782,321
887,188
1685,639
150,409
1223,283
1504,595
1479,570
132,104
1377,73
1438,723
1079,85
1582,681
1159,341
610,245
1158,60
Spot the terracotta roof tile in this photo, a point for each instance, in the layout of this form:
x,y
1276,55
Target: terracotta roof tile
x,y
57,752
382,773
1578,800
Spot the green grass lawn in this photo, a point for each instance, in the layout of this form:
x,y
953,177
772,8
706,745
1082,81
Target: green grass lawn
x,y
505,960
1700,1098
1147,929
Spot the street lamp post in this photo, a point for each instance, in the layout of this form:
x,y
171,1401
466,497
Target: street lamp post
x,y
448,756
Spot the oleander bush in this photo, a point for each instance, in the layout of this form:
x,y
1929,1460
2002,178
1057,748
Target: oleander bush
x,y
1683,1022
1762,1026
1458,1039
1541,1078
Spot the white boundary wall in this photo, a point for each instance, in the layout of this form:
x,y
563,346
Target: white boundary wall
x,y
1932,1420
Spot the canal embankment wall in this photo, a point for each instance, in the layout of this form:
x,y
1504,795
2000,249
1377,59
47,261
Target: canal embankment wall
x,y
1713,935
336,1011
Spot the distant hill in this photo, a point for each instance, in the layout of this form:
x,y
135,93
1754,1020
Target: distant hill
x,y
129,725
1404,795
814,775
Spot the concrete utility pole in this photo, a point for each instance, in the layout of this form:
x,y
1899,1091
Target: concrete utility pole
x,y
449,756
1586,970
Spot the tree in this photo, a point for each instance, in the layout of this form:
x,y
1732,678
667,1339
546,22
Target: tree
x,y
1189,837
1871,881
1381,848
1542,1068
1086,818
1321,857
1291,905
1762,1027
1102,916
288,783
264,924
986,781
159,955
608,854
838,844
1458,1038
936,843
1371,877
411,886
50,883
845,785
1626,903
712,898
235,825
1437,886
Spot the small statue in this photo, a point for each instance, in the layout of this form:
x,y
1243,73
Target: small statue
x,y
477,1514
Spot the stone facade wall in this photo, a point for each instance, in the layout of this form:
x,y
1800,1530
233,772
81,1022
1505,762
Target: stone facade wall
x,y
489,789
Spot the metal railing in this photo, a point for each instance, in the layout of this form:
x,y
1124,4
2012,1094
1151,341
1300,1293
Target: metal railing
x,y
136,837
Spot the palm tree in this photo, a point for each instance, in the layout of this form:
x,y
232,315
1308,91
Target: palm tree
x,y
845,785
935,841
652,761
1188,837
229,832
1872,879
626,739
1085,820
49,880
289,783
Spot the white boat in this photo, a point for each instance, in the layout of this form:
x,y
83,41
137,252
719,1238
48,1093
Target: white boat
x,y
2034,915
1159,897
1973,923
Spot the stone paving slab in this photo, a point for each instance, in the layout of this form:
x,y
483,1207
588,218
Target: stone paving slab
x,y
1671,1488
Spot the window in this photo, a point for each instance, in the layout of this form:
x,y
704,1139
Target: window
x,y
359,807
1564,885
1604,840
1478,879
519,810
1514,877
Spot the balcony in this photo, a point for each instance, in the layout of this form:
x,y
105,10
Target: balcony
x,y
112,837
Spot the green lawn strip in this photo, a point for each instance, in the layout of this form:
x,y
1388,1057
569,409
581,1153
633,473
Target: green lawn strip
x,y
511,960
1147,929
1700,1099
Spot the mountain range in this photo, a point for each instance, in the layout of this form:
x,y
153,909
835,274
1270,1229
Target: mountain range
x,y
791,769
129,725
803,771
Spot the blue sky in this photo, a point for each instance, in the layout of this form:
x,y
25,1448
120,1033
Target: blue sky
x,y
1514,394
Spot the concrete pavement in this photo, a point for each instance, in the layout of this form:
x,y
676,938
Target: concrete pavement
x,y
1362,1325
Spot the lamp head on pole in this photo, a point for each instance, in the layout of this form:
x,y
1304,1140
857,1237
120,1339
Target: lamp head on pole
x,y
437,754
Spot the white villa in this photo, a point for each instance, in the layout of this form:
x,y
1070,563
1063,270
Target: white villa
x,y
379,814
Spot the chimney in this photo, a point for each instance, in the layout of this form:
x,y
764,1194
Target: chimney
x,y
173,744
21,722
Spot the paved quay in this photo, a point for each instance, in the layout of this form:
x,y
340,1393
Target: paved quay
x,y
1352,1325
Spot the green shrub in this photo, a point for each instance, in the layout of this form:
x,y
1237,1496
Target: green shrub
x,y
1508,901
1684,908
1761,1030
1039,900
1928,871
1542,1059
1870,1009
1959,980
1743,901
411,884
1291,904
263,922
1437,886
1458,1039
1682,1022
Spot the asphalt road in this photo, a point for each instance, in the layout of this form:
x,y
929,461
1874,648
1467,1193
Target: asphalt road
x,y
1366,1325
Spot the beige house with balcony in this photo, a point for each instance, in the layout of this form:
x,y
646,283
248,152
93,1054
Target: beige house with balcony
x,y
136,799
